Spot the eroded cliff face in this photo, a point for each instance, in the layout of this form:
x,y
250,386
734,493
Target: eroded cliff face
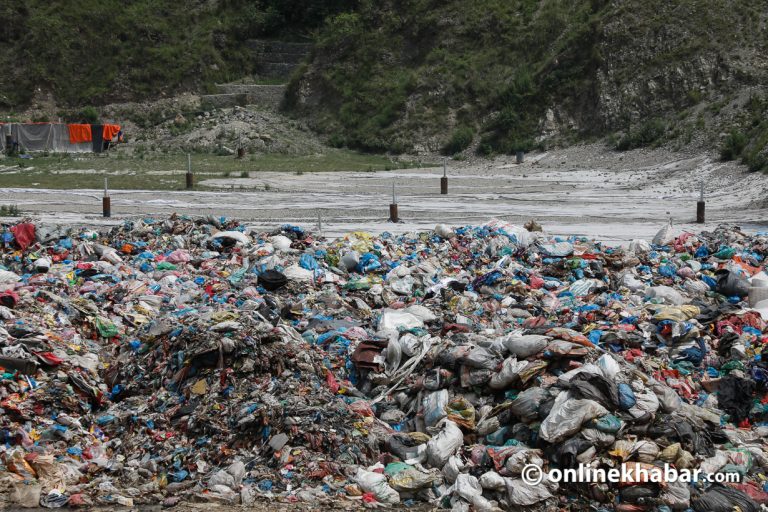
x,y
589,69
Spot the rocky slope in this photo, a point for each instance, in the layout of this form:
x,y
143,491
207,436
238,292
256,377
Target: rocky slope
x,y
501,76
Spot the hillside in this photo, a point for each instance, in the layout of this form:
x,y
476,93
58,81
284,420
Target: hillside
x,y
500,76
425,76
99,51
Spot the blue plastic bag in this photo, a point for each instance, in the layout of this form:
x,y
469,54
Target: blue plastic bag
x,y
627,398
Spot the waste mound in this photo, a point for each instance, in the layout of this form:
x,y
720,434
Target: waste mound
x,y
173,360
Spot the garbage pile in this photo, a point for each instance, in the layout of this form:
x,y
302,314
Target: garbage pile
x,y
172,360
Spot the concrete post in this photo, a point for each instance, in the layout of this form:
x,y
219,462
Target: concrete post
x,y
106,202
700,206
444,179
393,216
190,176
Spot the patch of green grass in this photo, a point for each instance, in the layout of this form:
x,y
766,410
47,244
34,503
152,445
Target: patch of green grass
x,y
152,171
460,140
733,145
9,210
647,134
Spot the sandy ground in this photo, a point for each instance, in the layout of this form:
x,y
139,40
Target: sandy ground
x,y
583,190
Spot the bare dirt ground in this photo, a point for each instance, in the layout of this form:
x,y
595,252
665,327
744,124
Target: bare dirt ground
x,y
583,190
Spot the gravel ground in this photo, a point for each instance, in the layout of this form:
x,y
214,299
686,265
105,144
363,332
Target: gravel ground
x,y
585,190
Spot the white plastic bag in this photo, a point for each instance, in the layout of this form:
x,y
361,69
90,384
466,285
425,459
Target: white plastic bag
x,y
392,319
665,294
668,399
665,235
444,231
492,480
608,366
452,468
638,246
524,346
522,236
510,369
297,273
376,483
444,444
466,487
280,242
567,416
434,407
524,494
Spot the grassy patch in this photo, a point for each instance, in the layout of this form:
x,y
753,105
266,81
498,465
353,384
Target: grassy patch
x,y
149,171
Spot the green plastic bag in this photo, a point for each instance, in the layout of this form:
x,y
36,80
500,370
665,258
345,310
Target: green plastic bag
x,y
725,253
106,328
609,424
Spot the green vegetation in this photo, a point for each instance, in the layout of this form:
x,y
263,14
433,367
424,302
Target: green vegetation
x,y
733,145
391,74
151,171
749,142
644,135
9,210
502,61
93,51
460,140
401,75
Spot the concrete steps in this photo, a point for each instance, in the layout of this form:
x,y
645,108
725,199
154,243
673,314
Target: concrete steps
x,y
277,59
274,61
231,95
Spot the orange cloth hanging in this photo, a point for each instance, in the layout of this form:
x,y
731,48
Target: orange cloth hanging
x,y
109,131
80,133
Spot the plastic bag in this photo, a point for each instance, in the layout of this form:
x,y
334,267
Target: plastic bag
x,y
668,399
296,273
26,494
403,285
609,366
647,451
279,242
676,495
510,369
567,416
106,328
444,444
452,468
50,473
609,424
526,405
731,284
467,487
444,231
393,319
638,246
627,398
376,483
461,412
434,407
665,294
479,357
524,494
410,479
524,346
720,498
664,236
492,480
557,249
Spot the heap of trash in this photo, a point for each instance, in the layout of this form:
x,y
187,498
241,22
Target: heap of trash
x,y
177,360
